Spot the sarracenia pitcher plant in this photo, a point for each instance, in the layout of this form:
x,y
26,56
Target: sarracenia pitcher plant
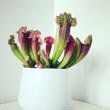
x,y
69,50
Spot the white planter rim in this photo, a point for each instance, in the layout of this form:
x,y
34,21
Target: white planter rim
x,y
45,68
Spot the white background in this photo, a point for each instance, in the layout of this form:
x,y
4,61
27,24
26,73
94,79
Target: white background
x,y
90,79
35,14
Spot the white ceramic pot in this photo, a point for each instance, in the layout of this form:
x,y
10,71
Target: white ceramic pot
x,y
43,89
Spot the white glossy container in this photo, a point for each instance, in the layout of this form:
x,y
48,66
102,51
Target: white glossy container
x,y
43,89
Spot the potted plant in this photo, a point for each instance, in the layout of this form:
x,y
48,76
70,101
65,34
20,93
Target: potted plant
x,y
44,79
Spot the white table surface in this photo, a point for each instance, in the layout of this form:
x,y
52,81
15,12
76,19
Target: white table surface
x,y
75,105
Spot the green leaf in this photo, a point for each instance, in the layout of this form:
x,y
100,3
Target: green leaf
x,y
75,55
